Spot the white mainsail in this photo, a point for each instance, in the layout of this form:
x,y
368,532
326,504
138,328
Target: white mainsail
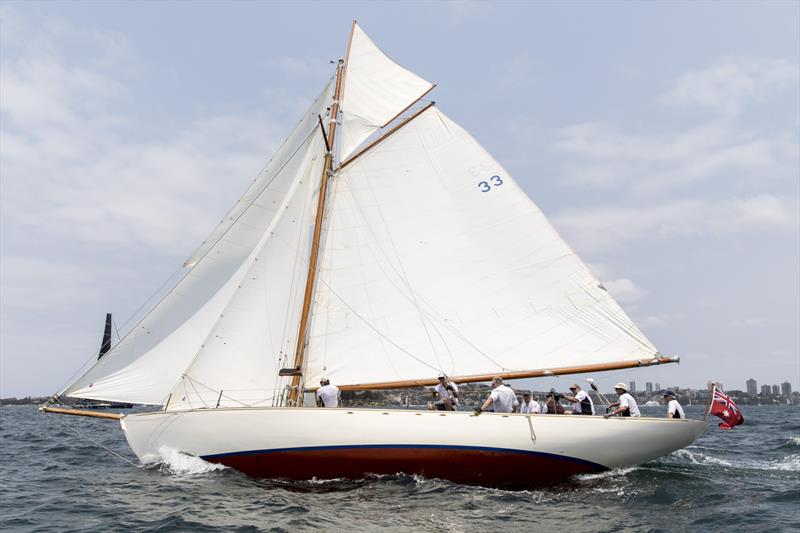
x,y
271,220
376,89
436,261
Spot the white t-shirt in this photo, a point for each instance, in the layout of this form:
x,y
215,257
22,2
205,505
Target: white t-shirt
x,y
626,400
329,394
503,399
673,406
443,393
532,407
576,407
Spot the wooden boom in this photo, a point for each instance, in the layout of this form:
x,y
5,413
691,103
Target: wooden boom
x,y
600,367
82,412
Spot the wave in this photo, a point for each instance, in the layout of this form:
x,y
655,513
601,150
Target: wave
x,y
175,462
790,463
793,442
608,474
699,458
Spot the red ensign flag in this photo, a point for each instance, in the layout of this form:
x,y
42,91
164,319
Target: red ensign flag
x,y
723,407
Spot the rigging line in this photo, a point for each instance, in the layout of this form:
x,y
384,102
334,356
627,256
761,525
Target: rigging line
x,y
80,372
432,314
114,322
382,138
258,194
322,280
259,246
187,270
191,382
292,302
98,444
401,272
223,395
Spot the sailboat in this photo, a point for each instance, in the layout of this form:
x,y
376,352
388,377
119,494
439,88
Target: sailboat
x,y
382,245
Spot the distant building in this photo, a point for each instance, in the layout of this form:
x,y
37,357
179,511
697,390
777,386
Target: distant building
x,y
776,391
633,386
765,390
658,387
649,387
786,388
752,387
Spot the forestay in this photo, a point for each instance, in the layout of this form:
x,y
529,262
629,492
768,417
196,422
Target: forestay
x,y
235,297
376,89
436,261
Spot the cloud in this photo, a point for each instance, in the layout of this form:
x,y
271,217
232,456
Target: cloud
x,y
729,85
603,228
649,162
602,156
749,322
72,168
624,290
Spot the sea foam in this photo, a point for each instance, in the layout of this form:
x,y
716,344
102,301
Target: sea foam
x,y
174,462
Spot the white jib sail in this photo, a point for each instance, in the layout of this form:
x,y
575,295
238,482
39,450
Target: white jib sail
x,y
436,261
375,90
148,362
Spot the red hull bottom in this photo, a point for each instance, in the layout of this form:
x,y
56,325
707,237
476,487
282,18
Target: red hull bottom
x,y
467,465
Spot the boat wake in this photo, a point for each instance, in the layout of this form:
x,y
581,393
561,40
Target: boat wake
x,y
608,474
174,462
793,442
700,458
789,463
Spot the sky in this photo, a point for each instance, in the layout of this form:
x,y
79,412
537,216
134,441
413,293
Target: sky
x,y
662,139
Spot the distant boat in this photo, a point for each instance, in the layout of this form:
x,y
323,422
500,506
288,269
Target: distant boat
x,y
652,403
378,258
105,345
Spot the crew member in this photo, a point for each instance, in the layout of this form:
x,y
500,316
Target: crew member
x,y
674,409
502,398
327,394
582,403
553,403
447,392
528,405
626,406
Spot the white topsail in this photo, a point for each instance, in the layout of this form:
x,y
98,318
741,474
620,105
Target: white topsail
x,y
436,261
229,277
376,89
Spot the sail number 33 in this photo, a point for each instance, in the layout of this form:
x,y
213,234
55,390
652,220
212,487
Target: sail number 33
x,y
486,186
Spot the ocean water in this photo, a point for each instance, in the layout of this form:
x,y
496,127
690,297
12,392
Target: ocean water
x,y
747,479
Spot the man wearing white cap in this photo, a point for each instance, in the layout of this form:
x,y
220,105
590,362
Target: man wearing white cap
x,y
447,393
626,406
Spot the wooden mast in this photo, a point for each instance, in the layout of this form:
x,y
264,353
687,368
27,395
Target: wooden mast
x,y
312,263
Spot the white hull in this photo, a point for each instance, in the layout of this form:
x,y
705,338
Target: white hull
x,y
491,449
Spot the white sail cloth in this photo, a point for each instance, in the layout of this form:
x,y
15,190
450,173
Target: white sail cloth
x,y
230,275
375,90
436,261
